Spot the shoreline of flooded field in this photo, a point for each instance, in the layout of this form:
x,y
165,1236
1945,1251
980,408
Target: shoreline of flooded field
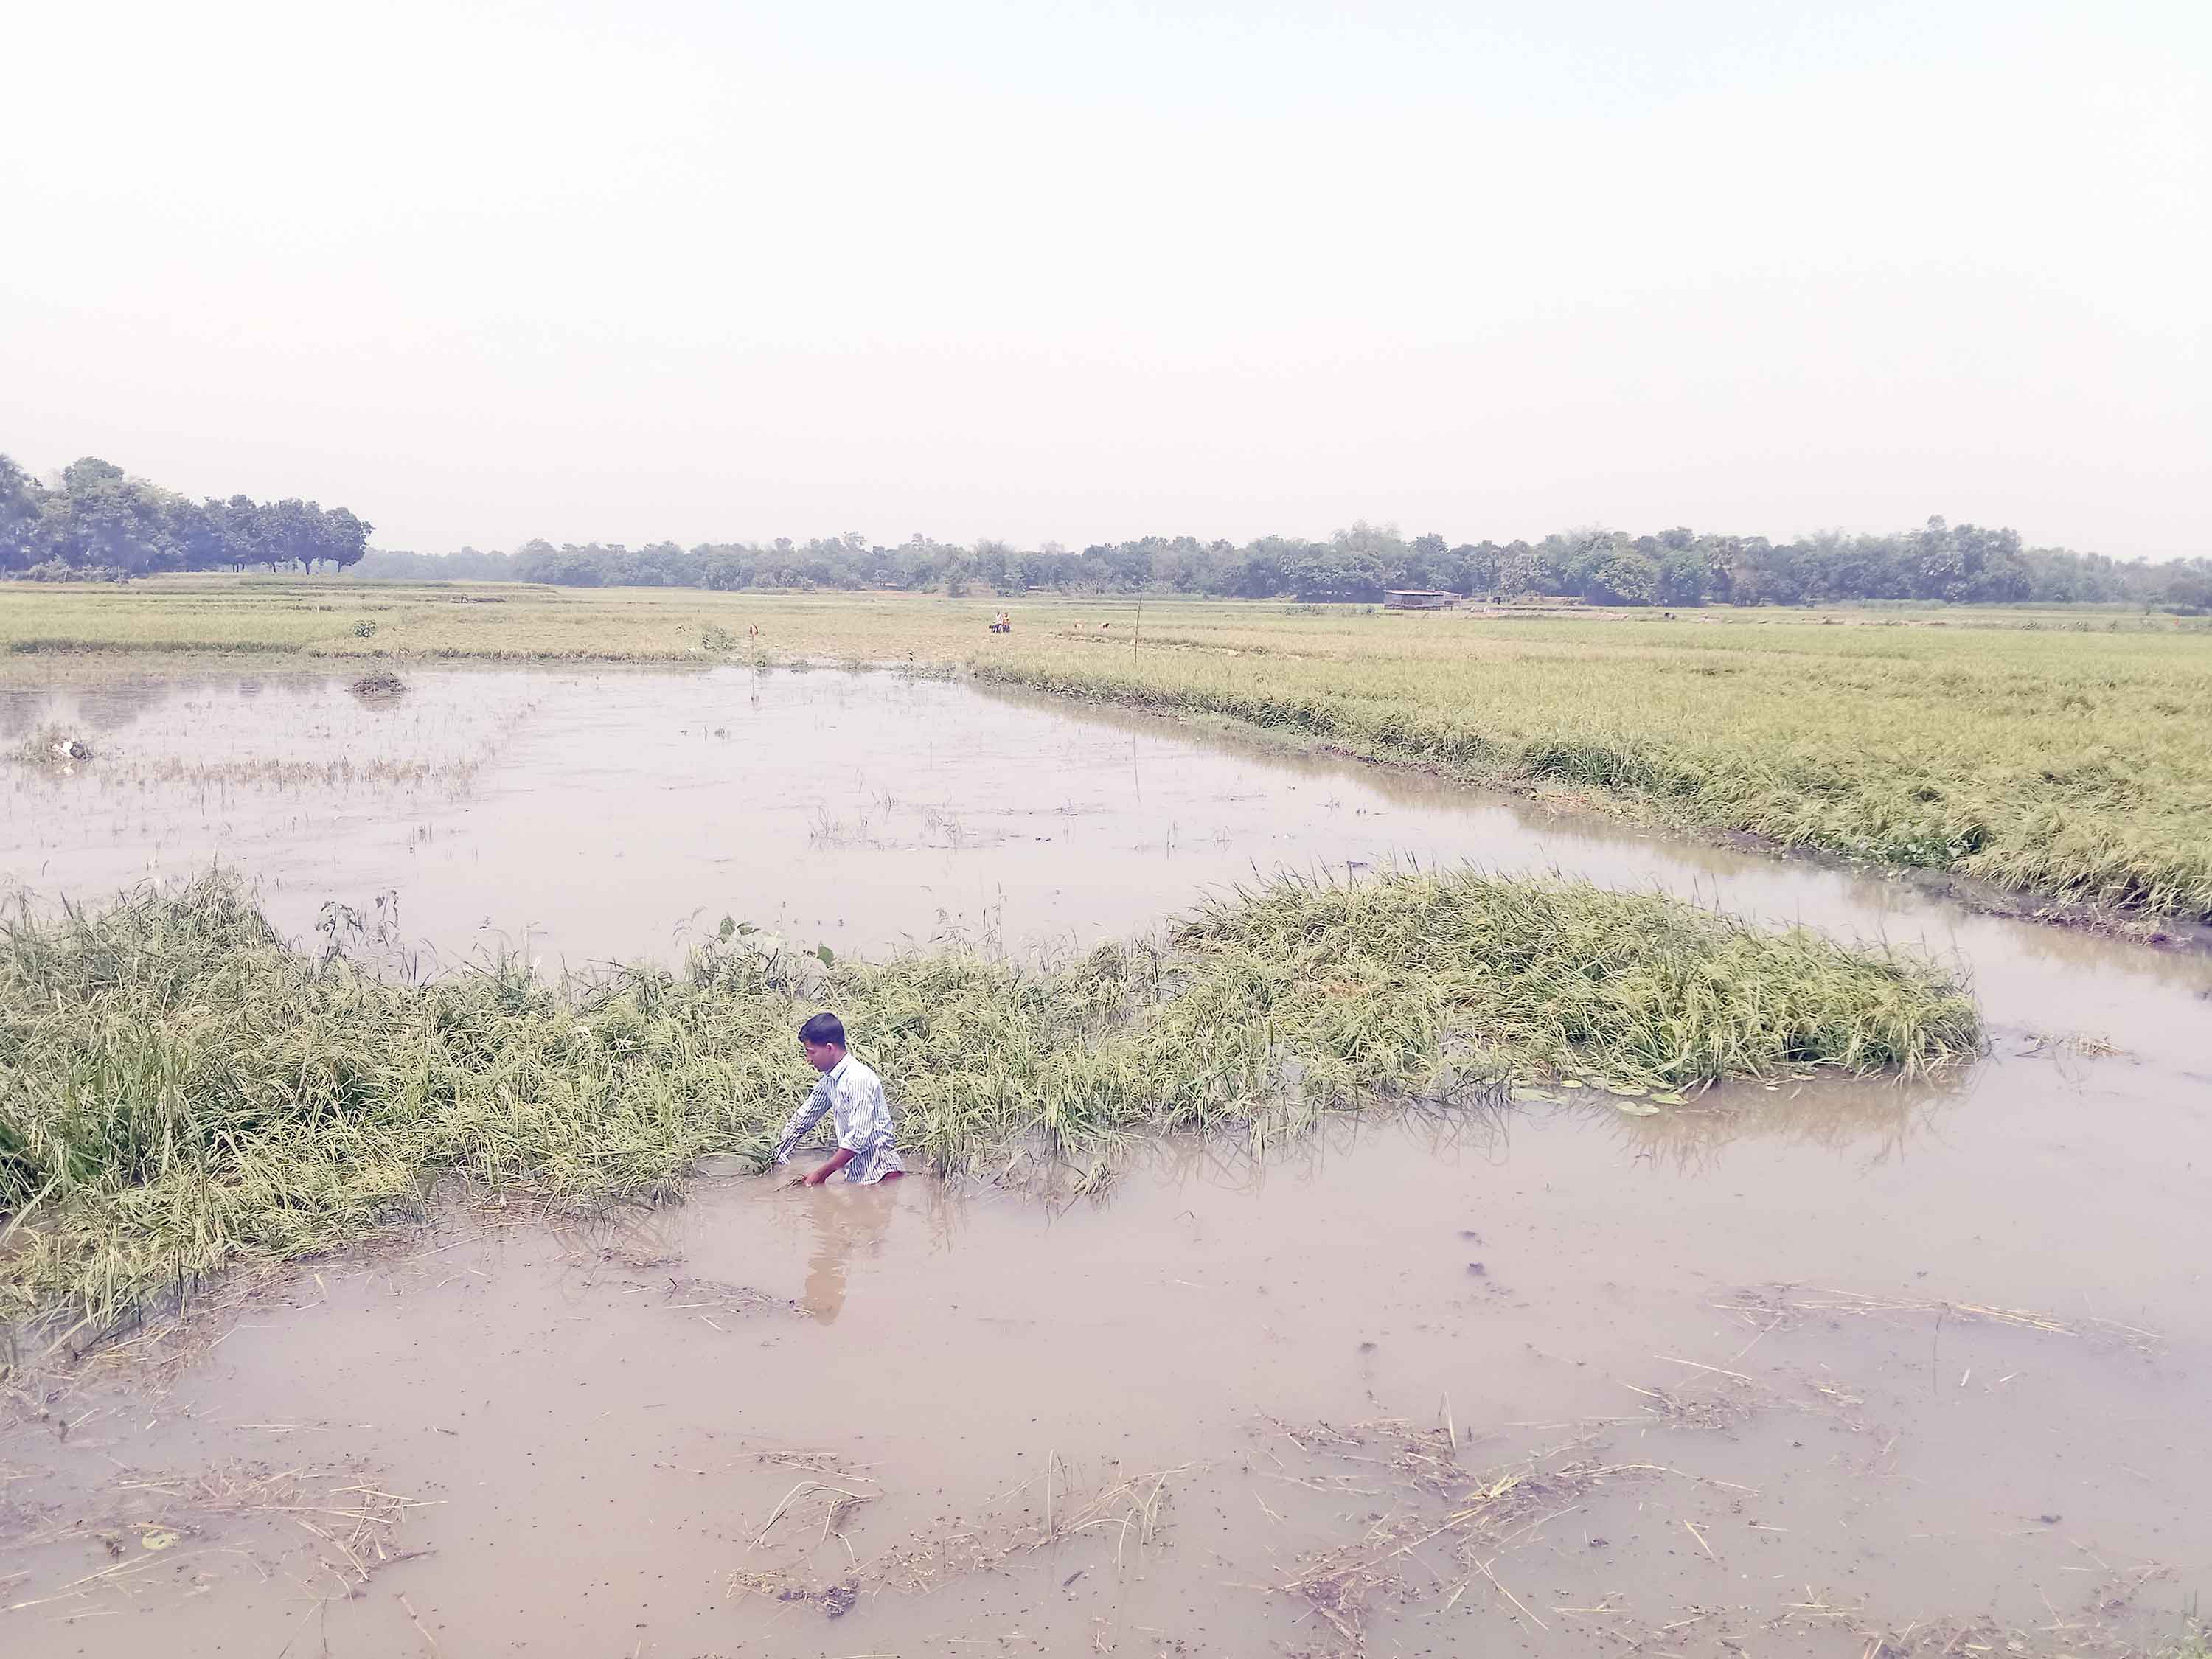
x,y
1809,1369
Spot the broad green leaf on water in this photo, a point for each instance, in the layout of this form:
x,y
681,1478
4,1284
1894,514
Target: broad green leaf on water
x,y
1624,1088
156,1537
1669,1100
1535,1094
729,926
1636,1107
829,957
1572,1082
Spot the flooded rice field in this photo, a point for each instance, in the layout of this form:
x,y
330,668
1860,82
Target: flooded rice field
x,y
1843,1369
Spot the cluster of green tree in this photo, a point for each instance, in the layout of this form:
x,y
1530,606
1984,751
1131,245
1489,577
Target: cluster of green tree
x,y
1959,563
97,522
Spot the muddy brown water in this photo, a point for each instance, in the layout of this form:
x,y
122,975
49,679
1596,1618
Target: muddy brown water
x,y
1746,1362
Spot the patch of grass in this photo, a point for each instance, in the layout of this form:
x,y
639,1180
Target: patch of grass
x,y
184,1091
506,622
33,645
52,746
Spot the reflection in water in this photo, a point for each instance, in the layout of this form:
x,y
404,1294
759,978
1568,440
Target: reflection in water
x,y
1874,1118
106,705
19,710
847,1222
115,705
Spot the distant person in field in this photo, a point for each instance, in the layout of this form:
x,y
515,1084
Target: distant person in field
x,y
853,1095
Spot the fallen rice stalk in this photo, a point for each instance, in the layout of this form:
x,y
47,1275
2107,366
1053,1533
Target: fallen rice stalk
x,y
1777,1304
187,1093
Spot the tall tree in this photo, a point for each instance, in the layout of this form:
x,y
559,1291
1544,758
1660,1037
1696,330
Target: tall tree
x,y
20,503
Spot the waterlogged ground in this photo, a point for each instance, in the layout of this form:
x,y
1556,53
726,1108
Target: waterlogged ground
x,y
1785,1374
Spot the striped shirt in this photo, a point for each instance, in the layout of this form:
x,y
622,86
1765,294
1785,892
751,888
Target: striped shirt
x,y
853,1095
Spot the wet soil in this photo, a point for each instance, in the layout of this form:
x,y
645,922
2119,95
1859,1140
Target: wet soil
x,y
1796,1372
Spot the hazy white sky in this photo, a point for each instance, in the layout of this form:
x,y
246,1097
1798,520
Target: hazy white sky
x,y
485,271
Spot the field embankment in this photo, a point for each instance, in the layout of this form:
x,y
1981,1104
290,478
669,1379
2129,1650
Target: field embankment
x,y
2071,763
184,1092
474,622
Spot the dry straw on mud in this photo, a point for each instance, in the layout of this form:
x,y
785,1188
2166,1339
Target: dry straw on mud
x,y
1488,1511
1434,1532
1772,1307
149,1523
1127,1512
181,1091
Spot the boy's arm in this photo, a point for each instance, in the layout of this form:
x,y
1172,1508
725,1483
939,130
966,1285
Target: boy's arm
x,y
808,1115
838,1160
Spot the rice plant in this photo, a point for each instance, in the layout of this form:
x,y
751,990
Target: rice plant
x,y
181,1090
2068,764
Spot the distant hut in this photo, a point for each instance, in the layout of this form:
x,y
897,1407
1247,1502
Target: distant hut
x,y
1418,598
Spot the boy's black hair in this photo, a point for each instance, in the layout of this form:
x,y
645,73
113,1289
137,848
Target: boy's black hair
x,y
824,1028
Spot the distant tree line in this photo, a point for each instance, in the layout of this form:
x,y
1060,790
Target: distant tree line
x,y
1958,563
96,521
99,523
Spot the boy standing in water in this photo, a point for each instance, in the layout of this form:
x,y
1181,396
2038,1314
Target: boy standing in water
x,y
852,1093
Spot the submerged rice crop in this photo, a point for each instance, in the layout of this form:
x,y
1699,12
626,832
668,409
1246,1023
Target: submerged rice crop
x,y
181,1090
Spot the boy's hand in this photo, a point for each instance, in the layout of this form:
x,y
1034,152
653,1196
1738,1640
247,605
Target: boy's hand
x,y
838,1160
